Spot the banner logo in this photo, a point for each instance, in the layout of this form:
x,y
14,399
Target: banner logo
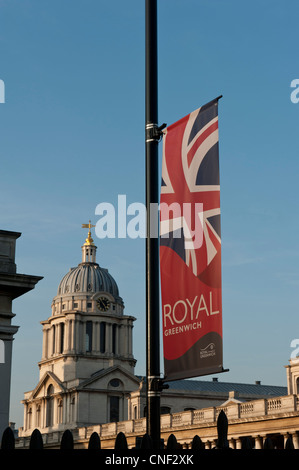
x,y
208,351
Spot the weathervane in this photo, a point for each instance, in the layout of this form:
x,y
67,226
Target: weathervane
x,y
89,240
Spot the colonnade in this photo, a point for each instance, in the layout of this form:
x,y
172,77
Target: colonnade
x,y
63,410
69,337
257,441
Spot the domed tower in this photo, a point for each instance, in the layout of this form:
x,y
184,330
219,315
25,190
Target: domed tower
x,y
87,358
87,330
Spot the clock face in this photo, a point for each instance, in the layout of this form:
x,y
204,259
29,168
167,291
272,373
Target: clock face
x,y
103,304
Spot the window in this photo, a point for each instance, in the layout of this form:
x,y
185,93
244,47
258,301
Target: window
x,y
165,410
114,338
103,337
61,338
88,336
114,409
76,305
89,304
114,383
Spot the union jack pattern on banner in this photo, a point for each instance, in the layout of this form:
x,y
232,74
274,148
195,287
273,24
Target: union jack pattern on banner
x,y
190,222
189,169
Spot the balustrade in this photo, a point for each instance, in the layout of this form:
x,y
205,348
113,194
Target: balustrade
x,y
238,412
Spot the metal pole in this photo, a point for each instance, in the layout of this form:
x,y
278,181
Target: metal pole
x,y
152,243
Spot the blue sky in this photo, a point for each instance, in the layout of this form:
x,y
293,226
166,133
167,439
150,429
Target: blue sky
x,y
72,136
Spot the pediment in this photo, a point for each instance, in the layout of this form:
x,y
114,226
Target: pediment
x,y
107,379
231,401
49,378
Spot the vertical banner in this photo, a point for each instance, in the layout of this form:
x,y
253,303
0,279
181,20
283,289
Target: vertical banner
x,y
190,246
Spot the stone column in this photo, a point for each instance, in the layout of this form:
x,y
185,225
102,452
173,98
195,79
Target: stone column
x,y
232,443
77,336
58,337
125,340
25,417
12,285
258,442
67,336
33,417
295,440
129,340
94,337
121,408
238,444
121,340
116,339
72,333
108,338
54,411
97,336
44,353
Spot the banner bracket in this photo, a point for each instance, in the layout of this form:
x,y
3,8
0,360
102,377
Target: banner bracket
x,y
156,384
153,132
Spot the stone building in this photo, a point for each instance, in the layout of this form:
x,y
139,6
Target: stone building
x,y
274,417
12,286
87,381
87,365
190,395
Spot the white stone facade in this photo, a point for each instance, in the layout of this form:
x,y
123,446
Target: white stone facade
x,y
87,376
87,365
276,418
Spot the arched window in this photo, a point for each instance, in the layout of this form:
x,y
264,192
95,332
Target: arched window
x,y
50,406
165,410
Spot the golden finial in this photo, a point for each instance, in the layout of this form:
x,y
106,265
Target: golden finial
x,y
89,240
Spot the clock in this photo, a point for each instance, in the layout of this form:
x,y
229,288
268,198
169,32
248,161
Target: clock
x,y
103,304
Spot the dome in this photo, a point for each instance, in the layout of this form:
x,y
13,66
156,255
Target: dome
x,y
88,278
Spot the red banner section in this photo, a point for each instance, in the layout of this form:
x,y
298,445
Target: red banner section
x,y
190,246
